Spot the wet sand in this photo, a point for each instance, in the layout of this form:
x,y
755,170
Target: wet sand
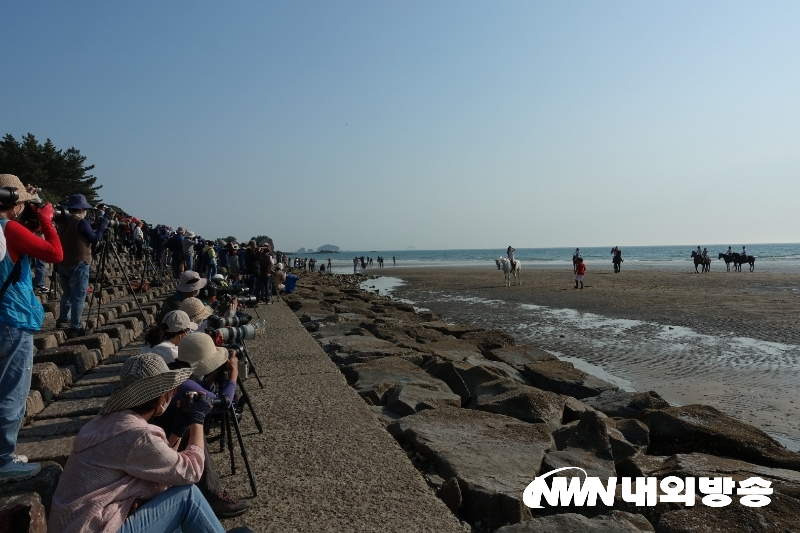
x,y
731,340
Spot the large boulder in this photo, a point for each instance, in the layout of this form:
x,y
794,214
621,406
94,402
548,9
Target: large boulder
x,y
562,377
409,399
372,380
704,429
584,444
613,522
493,457
465,376
523,402
519,356
489,340
624,404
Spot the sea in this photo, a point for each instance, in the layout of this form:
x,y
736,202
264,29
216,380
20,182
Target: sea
x,y
769,257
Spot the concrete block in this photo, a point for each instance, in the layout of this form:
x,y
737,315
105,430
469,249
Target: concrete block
x,y
98,341
55,449
66,373
43,484
42,341
71,408
76,355
34,404
48,380
52,427
23,512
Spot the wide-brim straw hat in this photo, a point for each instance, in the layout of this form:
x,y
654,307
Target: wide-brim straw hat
x,y
190,281
200,351
196,310
142,378
10,180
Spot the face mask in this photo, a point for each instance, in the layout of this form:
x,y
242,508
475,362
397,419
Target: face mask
x,y
163,408
79,216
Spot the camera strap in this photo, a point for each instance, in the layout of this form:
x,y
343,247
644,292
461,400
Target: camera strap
x,y
13,277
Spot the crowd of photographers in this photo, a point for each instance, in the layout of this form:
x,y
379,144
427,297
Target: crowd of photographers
x,y
142,463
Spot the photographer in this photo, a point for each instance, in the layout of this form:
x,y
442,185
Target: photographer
x,y
197,312
188,250
164,339
21,314
122,475
189,285
77,238
207,361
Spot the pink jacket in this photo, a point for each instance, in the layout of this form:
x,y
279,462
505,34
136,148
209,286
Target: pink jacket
x,y
115,459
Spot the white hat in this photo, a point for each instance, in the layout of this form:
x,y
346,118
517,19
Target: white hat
x,y
190,281
279,266
217,277
200,352
196,310
176,321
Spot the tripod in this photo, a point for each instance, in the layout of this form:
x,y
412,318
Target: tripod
x,y
102,263
149,265
246,353
228,418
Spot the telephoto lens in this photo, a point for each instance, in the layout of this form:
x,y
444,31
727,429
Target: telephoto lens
x,y
240,319
231,335
247,301
8,196
191,397
113,223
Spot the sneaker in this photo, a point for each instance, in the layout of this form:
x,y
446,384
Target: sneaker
x,y
226,506
17,471
19,458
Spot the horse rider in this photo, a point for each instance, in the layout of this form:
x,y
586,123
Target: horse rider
x,y
699,252
510,253
729,252
705,253
575,257
744,252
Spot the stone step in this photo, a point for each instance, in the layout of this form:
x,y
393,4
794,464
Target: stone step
x,y
71,408
77,356
87,392
53,427
55,449
44,484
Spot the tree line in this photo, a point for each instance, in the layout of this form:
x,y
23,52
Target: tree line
x,y
58,172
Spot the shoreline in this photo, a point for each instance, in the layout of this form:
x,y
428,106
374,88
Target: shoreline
x,y
726,341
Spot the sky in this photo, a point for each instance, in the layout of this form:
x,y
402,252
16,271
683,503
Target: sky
x,y
433,124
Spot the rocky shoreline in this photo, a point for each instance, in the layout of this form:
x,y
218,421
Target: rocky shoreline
x,y
480,417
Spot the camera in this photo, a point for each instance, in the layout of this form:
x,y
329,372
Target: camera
x,y
8,196
191,397
239,350
237,334
248,301
112,223
233,291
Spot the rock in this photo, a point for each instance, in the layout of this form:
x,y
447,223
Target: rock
x,y
574,410
780,516
519,356
488,340
613,522
92,391
43,484
594,465
366,346
589,433
68,373
115,331
70,408
562,377
77,356
384,415
372,380
626,404
493,457
48,380
451,329
640,465
34,404
23,512
634,431
409,399
133,324
465,376
529,404
51,427
42,341
704,429
96,341
450,494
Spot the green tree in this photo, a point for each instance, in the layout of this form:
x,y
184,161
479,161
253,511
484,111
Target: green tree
x,y
58,172
263,239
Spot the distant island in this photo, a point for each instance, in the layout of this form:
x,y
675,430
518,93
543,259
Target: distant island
x,y
414,248
324,249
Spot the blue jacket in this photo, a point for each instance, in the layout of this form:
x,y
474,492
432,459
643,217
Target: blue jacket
x,y
20,308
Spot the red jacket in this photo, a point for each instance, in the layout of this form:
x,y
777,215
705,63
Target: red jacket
x,y
581,269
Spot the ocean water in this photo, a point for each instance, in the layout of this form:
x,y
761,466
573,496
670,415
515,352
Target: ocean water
x,y
768,256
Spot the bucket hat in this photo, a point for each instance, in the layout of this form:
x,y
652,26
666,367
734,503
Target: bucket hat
x,y
196,310
201,352
190,234
77,201
10,180
279,266
190,281
142,378
176,321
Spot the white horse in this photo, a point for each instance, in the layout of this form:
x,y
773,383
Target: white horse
x,y
505,265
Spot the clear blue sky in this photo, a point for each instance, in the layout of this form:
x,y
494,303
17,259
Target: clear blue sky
x,y
381,125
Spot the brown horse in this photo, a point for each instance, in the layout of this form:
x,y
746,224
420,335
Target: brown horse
x,y
738,260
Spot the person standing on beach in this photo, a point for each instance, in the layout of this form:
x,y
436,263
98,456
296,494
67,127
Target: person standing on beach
x,y
580,270
329,264
355,265
394,261
575,258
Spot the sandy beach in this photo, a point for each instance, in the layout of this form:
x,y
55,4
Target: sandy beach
x,y
731,340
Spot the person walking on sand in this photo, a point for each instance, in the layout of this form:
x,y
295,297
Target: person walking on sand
x,y
510,253
394,261
580,270
355,265
329,264
575,258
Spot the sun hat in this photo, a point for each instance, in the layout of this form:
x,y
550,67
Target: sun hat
x,y
10,180
180,229
142,378
279,266
190,281
252,244
196,310
177,321
201,352
217,277
190,234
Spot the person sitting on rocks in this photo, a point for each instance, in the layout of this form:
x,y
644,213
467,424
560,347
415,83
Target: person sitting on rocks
x,y
197,312
188,286
122,474
165,339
